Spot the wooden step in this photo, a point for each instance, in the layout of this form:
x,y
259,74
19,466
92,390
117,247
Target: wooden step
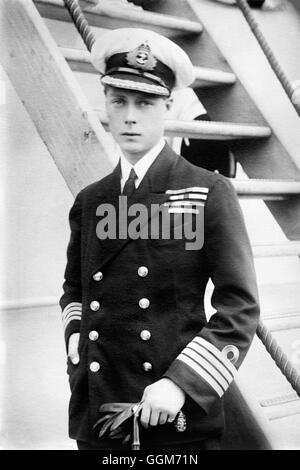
x,y
79,60
111,17
279,300
210,77
208,129
291,248
266,189
281,406
215,130
279,399
287,321
261,382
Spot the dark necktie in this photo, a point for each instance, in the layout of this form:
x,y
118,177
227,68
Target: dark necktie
x,y
129,186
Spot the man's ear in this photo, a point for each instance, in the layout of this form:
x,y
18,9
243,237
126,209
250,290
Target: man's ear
x,y
169,102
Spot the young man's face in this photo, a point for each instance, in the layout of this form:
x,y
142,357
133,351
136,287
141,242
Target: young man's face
x,y
136,120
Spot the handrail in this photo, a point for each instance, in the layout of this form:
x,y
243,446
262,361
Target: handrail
x,y
266,337
279,357
286,84
80,22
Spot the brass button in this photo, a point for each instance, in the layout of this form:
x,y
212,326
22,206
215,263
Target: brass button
x,y
143,271
93,335
145,335
94,366
95,305
144,303
147,366
98,276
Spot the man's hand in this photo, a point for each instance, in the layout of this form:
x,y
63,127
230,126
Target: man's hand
x,y
161,402
73,348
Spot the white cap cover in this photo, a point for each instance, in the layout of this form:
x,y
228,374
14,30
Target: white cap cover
x,y
143,60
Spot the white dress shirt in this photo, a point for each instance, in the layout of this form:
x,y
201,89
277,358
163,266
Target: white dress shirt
x,y
142,166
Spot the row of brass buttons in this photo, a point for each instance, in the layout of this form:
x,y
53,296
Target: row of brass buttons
x,y
145,335
144,303
95,366
142,272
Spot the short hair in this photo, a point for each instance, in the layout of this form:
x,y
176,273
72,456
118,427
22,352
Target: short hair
x,y
105,88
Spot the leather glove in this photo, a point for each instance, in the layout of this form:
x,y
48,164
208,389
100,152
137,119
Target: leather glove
x,y
117,421
120,421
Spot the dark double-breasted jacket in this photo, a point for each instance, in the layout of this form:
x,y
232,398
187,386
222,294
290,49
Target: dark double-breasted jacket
x,y
138,303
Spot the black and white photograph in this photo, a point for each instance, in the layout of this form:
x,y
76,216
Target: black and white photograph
x,y
150,228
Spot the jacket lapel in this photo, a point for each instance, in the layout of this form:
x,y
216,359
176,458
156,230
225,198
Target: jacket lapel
x,y
151,191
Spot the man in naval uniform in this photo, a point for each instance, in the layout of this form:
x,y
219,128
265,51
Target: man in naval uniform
x,y
133,306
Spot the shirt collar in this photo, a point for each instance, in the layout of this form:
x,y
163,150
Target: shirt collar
x,y
142,166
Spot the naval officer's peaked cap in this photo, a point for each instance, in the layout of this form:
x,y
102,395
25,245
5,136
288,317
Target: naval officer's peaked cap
x,y
141,60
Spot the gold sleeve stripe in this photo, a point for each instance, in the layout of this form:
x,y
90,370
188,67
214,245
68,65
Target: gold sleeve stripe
x,y
71,312
203,373
217,353
65,313
210,361
73,317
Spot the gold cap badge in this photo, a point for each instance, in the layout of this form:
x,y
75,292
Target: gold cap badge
x,y
141,58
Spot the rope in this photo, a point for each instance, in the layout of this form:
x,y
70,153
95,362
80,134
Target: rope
x,y
262,332
286,84
80,22
279,357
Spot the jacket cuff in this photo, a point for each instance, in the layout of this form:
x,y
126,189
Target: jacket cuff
x,y
71,318
203,372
